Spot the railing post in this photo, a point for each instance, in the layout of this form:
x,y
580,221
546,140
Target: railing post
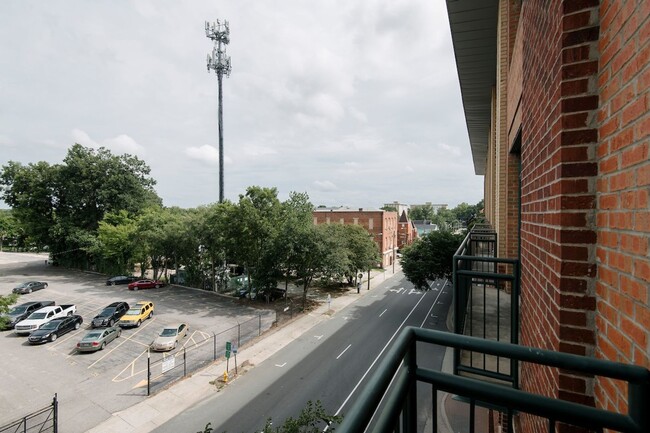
x,y
259,329
55,410
148,373
214,341
184,362
409,417
238,334
514,323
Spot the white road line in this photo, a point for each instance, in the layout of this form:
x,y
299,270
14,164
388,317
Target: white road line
x,y
318,337
280,365
379,356
382,313
344,350
376,359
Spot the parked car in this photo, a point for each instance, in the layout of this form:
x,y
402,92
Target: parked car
x,y
137,314
110,315
98,339
54,329
169,337
145,284
42,316
22,311
121,279
29,287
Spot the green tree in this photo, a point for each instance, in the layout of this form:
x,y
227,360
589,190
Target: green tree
x,y
422,212
389,208
362,251
255,226
430,257
62,205
9,227
116,242
6,302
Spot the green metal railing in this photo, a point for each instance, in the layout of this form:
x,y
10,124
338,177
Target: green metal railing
x,y
394,386
486,304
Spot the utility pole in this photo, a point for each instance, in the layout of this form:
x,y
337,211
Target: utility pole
x,y
220,63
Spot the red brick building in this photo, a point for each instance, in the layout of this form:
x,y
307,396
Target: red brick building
x,y
556,97
406,232
382,225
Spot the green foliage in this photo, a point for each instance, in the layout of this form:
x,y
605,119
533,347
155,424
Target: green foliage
x,y
430,257
5,303
312,419
422,212
61,205
10,230
389,208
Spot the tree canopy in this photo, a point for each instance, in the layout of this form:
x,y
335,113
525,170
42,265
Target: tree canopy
x,y
430,257
60,206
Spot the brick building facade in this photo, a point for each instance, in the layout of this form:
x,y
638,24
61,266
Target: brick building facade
x,y
557,113
381,225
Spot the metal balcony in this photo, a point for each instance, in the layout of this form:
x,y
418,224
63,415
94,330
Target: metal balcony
x,y
388,402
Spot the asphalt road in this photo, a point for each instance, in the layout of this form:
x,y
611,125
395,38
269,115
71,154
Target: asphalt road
x,y
331,363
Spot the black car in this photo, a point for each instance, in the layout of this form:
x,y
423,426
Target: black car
x,y
110,315
29,287
55,328
20,312
121,279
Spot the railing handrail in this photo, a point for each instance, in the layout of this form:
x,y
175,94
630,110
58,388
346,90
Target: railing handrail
x,y
637,419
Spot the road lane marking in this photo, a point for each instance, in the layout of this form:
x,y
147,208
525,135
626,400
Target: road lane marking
x,y
376,359
280,365
344,350
318,337
397,290
382,313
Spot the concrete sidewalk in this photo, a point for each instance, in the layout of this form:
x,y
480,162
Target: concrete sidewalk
x,y
165,405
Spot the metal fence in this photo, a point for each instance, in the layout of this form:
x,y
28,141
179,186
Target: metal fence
x,y
43,420
171,367
394,383
486,304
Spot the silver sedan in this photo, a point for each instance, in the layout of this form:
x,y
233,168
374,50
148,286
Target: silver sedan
x,y
169,337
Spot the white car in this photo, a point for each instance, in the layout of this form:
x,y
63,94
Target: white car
x,y
169,337
42,316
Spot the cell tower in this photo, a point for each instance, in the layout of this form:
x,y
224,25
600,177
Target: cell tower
x,y
219,62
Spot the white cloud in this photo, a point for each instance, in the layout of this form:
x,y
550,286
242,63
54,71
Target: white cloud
x,y
357,92
206,153
325,185
117,145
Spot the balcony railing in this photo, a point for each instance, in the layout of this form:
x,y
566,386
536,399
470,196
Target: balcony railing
x,y
393,388
486,304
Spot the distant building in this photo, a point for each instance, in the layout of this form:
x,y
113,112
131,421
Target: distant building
x,y
423,227
435,206
382,225
399,207
406,232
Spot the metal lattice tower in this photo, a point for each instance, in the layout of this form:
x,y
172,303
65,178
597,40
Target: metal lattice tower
x,y
219,62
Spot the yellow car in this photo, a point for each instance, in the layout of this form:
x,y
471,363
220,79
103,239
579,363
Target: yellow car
x,y
137,314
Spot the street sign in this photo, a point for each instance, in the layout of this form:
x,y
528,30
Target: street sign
x,y
227,354
228,345
168,363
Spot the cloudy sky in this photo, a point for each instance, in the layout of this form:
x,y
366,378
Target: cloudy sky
x,y
356,103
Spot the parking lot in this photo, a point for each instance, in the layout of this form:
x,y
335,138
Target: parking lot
x,y
91,386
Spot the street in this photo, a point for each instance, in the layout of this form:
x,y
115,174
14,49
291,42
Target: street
x,y
330,363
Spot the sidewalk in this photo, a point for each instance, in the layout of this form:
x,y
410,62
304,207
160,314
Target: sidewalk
x,y
165,405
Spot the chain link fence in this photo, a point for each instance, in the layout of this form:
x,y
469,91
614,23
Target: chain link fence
x,y
205,349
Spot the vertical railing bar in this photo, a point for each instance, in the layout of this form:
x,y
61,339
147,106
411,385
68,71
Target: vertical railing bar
x,y
434,408
498,323
472,415
484,320
551,425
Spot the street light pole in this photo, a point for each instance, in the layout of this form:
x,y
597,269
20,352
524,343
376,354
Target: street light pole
x,y
220,63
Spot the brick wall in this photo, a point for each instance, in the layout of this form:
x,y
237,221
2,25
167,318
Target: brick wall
x,y
558,154
382,225
623,303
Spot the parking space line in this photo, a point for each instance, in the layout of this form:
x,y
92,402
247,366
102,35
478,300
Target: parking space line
x,y
132,365
122,342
